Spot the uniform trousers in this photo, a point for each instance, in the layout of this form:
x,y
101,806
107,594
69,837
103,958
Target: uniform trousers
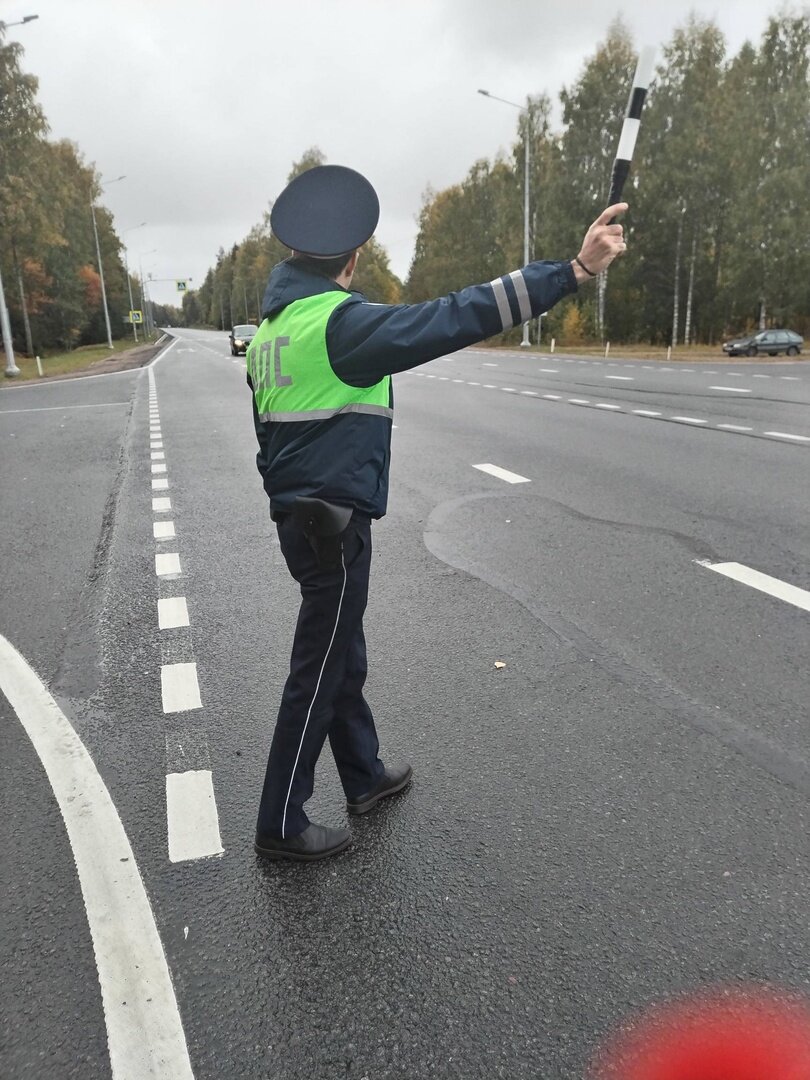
x,y
323,694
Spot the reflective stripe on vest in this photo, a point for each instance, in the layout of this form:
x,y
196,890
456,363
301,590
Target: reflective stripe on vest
x,y
289,368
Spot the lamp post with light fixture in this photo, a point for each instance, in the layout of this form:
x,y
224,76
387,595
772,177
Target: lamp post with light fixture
x,y
98,255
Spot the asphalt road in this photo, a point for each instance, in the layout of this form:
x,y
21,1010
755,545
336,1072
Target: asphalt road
x,y
614,818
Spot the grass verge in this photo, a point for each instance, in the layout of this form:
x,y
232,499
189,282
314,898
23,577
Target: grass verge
x,y
77,360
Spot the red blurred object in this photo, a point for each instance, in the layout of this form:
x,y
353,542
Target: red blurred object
x,y
733,1037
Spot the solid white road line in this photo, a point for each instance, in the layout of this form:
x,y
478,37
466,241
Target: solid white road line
x,y
191,811
153,364
791,594
65,408
163,530
172,612
161,483
179,687
503,474
144,1032
167,563
731,389
162,503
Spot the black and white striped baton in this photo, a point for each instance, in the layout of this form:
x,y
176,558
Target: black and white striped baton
x,y
632,121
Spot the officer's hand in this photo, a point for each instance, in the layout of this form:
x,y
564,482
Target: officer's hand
x,y
602,243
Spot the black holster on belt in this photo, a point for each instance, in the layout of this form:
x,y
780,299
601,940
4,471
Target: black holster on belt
x,y
323,524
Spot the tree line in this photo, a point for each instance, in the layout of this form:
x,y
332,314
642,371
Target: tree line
x,y
719,227
718,233
48,253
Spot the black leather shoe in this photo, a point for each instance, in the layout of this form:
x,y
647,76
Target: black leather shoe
x,y
315,842
391,781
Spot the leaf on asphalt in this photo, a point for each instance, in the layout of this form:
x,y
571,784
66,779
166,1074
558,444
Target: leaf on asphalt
x,y
499,664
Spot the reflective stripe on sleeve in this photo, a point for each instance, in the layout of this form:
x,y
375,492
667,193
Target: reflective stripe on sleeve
x,y
326,414
502,300
522,294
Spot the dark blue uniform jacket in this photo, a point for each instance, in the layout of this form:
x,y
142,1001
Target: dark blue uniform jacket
x,y
345,459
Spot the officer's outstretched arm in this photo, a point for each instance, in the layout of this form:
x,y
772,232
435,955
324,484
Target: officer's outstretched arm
x,y
367,341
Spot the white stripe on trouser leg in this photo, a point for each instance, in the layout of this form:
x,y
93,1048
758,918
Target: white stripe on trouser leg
x,y
317,687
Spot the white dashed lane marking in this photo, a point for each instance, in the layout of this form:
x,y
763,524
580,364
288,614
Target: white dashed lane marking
x,y
503,474
192,816
168,564
791,594
179,688
787,435
192,822
163,530
648,413
172,612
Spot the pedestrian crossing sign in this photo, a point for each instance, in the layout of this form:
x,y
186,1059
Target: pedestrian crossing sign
x,y
136,316
182,285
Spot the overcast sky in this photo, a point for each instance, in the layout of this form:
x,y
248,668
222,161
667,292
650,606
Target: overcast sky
x,y
205,104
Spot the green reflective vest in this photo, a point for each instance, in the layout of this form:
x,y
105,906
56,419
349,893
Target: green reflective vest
x,y
290,371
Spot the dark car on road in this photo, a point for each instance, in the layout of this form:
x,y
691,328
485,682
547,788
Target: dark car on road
x,y
771,342
240,337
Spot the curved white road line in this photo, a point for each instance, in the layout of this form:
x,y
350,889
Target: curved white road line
x,y
144,1031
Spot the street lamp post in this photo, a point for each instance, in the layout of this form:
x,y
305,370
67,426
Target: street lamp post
x,y
525,343
5,323
100,265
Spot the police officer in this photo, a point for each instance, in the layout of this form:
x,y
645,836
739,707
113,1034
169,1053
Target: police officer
x,y
320,369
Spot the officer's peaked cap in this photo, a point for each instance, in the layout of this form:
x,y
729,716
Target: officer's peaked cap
x,y
326,211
